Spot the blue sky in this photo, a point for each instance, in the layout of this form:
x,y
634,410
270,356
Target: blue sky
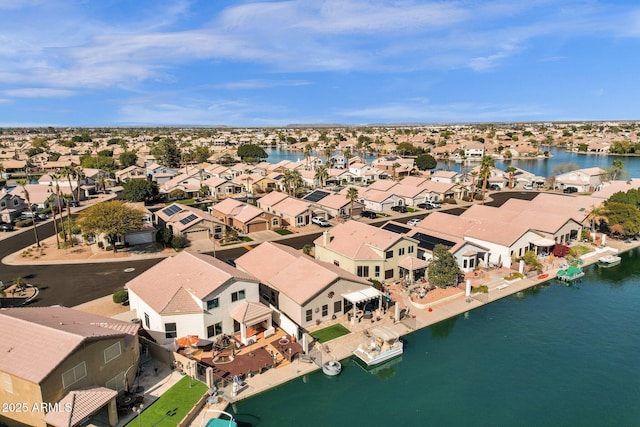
x,y
273,63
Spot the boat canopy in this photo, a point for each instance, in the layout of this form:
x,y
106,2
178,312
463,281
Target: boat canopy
x,y
384,333
363,295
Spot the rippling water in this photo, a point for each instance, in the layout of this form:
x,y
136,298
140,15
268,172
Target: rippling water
x,y
552,355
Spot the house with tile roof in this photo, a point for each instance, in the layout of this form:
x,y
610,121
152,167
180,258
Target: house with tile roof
x,y
302,291
244,217
189,222
50,354
364,250
292,212
196,294
584,180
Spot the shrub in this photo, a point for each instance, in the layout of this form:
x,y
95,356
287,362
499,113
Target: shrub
x,y
120,296
484,289
108,248
561,250
513,276
24,223
179,242
100,245
450,201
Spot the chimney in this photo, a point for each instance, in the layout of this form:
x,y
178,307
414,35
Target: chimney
x,y
325,238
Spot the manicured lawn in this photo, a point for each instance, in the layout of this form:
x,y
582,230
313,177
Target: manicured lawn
x,y
284,232
330,333
412,209
581,249
246,239
186,201
180,398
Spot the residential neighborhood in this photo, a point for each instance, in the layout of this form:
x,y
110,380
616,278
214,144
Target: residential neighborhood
x,y
373,234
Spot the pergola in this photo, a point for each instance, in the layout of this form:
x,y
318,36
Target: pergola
x,y
249,314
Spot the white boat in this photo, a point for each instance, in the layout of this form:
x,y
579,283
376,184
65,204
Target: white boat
x,y
332,368
383,344
609,261
217,420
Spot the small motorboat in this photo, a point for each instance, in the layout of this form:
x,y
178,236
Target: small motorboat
x,y
384,344
332,368
217,420
609,261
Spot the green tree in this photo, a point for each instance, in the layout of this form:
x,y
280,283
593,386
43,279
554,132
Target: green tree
x,y
128,158
114,219
251,151
617,169
27,197
68,172
139,190
531,260
426,162
511,170
321,175
166,153
621,216
352,197
443,270
486,165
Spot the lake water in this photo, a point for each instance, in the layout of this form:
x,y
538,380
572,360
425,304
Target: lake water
x,y
552,355
540,167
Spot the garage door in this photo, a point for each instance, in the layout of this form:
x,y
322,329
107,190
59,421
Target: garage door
x,y
139,238
197,234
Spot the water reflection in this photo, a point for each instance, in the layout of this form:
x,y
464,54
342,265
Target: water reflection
x,y
443,329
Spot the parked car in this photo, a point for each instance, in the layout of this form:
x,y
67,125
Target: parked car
x,y
318,220
494,187
570,190
6,226
413,222
426,205
369,214
399,208
74,204
528,187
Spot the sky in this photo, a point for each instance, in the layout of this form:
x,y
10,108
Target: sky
x,y
241,63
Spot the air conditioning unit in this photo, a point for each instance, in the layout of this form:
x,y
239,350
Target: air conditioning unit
x,y
251,340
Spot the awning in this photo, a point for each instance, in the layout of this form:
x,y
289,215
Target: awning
x,y
363,295
412,263
544,242
78,405
251,313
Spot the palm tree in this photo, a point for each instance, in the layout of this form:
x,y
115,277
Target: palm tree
x,y
23,183
486,164
347,154
511,171
617,169
287,181
58,207
68,172
67,202
80,176
474,175
296,181
352,197
394,166
322,174
307,153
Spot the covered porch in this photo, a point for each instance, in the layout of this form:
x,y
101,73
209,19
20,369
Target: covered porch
x,y
363,302
253,318
413,269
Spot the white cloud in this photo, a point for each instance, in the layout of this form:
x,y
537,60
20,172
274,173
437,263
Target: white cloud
x,y
38,92
261,84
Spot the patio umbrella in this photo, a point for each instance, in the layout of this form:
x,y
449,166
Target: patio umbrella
x,y
188,341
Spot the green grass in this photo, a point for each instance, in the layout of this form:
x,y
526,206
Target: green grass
x,y
383,215
330,333
186,201
412,209
580,249
179,397
246,239
284,232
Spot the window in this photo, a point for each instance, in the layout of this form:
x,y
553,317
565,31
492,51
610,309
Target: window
x,y
237,296
389,254
410,249
146,321
377,271
275,221
300,220
214,303
112,352
325,310
464,263
336,263
213,330
170,330
337,306
7,385
74,374
388,274
116,383
363,271
309,315
401,251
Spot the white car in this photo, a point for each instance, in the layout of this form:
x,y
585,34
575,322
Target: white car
x,y
413,222
318,220
528,187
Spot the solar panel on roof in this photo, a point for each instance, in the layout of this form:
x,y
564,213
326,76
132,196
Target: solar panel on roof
x,y
171,210
316,196
187,220
429,242
395,228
